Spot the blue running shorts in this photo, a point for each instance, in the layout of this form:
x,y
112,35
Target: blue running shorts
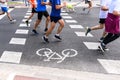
x,y
4,9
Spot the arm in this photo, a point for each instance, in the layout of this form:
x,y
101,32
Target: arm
x,y
60,6
116,10
2,1
117,13
45,3
104,8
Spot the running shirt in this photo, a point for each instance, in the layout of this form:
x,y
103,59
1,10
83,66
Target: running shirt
x,y
3,4
115,5
55,12
103,14
33,3
40,7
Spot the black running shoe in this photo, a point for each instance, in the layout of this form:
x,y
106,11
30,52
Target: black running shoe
x,y
34,31
58,37
87,31
83,9
45,29
101,39
102,47
45,39
27,23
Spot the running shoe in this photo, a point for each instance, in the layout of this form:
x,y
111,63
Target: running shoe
x,y
45,29
12,21
102,47
101,39
45,39
87,31
58,37
27,23
83,9
34,31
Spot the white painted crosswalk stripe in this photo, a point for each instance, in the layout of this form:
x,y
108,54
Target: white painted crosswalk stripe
x,y
71,21
76,26
67,17
82,34
64,14
93,44
29,11
11,56
26,16
19,41
25,20
111,66
23,25
21,31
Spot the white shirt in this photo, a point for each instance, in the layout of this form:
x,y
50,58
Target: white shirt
x,y
115,5
103,14
3,4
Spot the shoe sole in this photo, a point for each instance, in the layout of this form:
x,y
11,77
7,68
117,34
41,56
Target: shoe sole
x,y
35,33
57,38
86,28
44,40
101,49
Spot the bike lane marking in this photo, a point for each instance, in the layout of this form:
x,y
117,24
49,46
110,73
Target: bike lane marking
x,y
56,56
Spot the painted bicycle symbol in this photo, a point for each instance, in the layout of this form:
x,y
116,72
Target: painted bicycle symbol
x,y
56,56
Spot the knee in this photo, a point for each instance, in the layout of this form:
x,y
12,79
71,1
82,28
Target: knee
x,y
62,25
48,19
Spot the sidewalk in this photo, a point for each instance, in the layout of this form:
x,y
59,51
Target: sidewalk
x,y
25,72
20,4
16,4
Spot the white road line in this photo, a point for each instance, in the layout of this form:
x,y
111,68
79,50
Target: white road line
x,y
21,31
19,41
64,14
11,56
93,44
26,19
76,26
63,11
67,17
71,21
26,16
111,66
29,11
23,25
82,34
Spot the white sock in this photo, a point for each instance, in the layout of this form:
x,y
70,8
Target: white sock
x,y
57,34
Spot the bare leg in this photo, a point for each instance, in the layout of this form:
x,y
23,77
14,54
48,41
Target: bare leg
x,y
37,23
9,16
30,16
52,25
61,22
1,13
47,22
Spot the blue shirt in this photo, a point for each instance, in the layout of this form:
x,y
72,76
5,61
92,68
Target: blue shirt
x,y
40,7
55,12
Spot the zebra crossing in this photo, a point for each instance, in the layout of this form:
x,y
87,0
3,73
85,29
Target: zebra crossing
x,y
111,66
11,56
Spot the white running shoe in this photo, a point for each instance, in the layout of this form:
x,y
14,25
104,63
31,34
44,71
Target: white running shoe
x,y
13,21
